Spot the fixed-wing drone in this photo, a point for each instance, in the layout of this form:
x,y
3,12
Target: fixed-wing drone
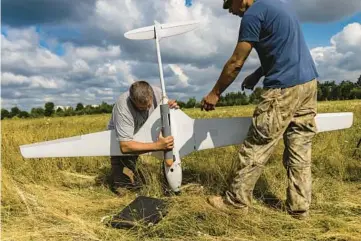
x,y
189,134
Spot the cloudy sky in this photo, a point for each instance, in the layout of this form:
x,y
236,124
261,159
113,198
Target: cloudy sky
x,y
68,51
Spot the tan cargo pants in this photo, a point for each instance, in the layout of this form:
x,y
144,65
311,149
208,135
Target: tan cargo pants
x,y
287,113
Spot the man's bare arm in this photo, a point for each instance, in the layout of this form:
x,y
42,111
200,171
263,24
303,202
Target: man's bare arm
x,y
128,147
232,67
163,143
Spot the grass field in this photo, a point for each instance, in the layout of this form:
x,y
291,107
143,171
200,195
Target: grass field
x,y
65,198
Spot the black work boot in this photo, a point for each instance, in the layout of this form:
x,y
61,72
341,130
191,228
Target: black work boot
x,y
124,175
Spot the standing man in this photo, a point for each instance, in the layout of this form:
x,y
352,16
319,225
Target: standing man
x,y
130,112
287,108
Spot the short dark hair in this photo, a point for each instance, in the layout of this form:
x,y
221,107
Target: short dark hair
x,y
141,92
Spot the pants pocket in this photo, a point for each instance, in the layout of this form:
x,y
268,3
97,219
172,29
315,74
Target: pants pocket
x,y
267,120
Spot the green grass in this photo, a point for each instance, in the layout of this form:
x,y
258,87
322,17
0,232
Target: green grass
x,y
65,198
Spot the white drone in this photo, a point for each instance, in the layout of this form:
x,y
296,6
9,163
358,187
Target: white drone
x,y
189,134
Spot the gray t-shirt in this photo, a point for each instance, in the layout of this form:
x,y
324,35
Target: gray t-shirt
x,y
126,119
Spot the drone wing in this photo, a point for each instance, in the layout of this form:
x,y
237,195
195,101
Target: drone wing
x,y
165,30
95,144
204,134
190,135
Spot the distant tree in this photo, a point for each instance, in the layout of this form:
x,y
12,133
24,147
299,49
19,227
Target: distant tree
x,y
255,97
69,111
79,107
319,93
245,99
49,108
356,93
59,112
105,108
23,114
233,98
326,88
346,87
221,101
336,92
191,103
14,111
95,110
37,112
181,104
89,110
5,114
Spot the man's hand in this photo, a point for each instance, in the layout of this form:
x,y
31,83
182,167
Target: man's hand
x,y
209,102
173,104
165,143
251,80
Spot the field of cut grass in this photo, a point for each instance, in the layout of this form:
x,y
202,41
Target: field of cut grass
x,y
65,198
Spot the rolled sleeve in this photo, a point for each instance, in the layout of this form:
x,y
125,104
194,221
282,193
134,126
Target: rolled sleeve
x,y
250,29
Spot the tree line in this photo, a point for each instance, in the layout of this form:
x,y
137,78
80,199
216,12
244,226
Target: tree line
x,y
329,90
346,90
49,110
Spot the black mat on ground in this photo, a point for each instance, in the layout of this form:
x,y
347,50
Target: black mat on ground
x,y
143,211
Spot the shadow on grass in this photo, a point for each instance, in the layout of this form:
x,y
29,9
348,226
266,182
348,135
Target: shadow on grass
x,y
261,192
219,183
215,183
353,173
104,178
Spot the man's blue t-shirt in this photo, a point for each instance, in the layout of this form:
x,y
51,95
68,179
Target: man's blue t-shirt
x,y
274,28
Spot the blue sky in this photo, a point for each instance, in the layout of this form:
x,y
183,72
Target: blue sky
x,y
319,34
74,51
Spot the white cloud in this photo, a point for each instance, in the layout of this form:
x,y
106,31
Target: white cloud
x,y
112,15
99,62
70,95
95,53
105,91
9,79
80,66
182,77
107,69
118,71
349,39
32,68
15,45
48,98
341,60
196,45
46,83
20,50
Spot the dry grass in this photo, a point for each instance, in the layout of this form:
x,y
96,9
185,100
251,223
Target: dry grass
x,y
65,198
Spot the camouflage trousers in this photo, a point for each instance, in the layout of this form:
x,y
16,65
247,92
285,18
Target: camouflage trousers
x,y
287,113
